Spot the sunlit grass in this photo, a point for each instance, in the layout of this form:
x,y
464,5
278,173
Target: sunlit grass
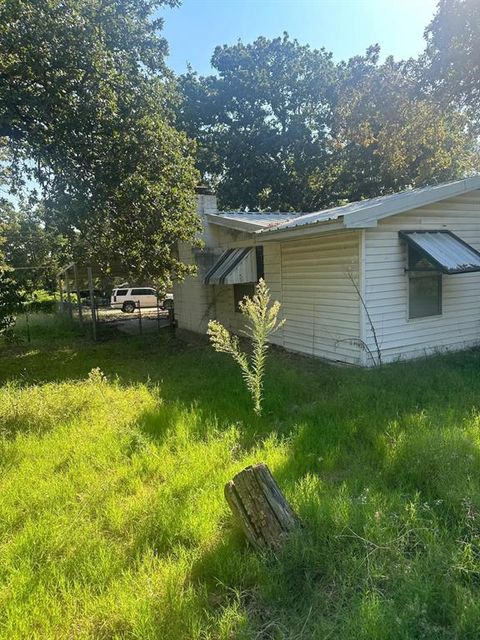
x,y
112,517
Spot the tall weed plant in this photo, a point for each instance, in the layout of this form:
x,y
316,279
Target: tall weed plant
x,y
261,322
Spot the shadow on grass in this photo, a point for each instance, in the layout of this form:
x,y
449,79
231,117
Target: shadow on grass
x,y
383,467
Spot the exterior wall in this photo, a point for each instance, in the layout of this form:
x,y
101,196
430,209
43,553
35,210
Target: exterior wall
x,y
193,301
386,283
319,301
225,310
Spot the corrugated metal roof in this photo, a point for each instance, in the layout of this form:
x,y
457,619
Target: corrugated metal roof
x,y
259,219
231,262
364,211
447,251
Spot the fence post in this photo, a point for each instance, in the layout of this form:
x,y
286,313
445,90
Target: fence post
x,y
69,297
60,288
140,317
27,319
75,276
158,314
92,303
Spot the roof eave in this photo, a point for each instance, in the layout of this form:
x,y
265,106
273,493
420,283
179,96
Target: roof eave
x,y
237,225
300,231
370,216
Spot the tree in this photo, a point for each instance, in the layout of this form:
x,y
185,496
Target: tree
x,y
10,297
34,252
87,108
390,135
283,127
263,122
452,56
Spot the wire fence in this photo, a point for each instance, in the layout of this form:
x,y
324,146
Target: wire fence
x,y
86,299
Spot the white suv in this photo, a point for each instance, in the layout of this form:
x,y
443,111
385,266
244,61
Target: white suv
x,y
129,299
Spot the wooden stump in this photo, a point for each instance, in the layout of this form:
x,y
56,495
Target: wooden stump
x,y
261,508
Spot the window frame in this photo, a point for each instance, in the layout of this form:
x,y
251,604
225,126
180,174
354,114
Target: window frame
x,y
423,273
151,292
250,293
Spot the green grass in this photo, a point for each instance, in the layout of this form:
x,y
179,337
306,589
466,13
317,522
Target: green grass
x,y
112,517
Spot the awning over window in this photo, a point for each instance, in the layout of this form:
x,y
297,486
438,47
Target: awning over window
x,y
235,266
446,251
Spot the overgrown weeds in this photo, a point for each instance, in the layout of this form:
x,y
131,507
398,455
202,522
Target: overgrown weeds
x,y
113,522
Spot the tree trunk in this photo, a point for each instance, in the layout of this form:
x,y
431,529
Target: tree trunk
x,y
261,508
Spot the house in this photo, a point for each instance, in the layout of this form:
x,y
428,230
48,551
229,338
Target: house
x,y
394,277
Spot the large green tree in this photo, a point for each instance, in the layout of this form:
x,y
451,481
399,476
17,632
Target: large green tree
x,y
452,57
263,122
87,112
282,127
34,252
389,134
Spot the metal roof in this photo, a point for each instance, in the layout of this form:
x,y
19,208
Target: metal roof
x,y
229,262
449,253
365,213
250,220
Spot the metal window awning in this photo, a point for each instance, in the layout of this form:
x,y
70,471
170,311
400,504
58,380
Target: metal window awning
x,y
235,266
449,253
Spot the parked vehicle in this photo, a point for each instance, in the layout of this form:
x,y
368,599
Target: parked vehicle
x,y
130,298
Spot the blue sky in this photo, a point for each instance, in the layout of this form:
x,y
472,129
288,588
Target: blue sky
x,y
345,27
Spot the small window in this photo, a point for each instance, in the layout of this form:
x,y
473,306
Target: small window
x,y
260,263
424,287
121,292
143,292
240,291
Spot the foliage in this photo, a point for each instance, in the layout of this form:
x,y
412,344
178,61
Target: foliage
x,y
282,127
32,250
453,52
86,107
261,322
10,298
390,135
113,522
262,122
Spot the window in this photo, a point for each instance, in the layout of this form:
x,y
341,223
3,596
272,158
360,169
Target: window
x,y
242,290
260,264
424,286
121,292
143,292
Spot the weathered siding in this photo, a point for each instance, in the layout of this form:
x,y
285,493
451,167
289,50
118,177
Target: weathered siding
x,y
386,283
192,299
224,296
320,303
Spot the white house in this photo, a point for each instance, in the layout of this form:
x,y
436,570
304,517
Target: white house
x,y
396,276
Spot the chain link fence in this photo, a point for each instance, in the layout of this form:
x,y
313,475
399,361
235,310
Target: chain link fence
x,y
91,299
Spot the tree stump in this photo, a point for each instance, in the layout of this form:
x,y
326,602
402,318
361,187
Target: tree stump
x,y
260,507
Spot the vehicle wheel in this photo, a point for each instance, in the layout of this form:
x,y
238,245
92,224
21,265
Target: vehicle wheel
x,y
128,307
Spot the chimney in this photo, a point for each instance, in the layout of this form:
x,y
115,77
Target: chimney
x,y
206,200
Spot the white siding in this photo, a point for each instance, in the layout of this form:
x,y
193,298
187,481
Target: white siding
x,y
192,299
320,303
387,283
224,296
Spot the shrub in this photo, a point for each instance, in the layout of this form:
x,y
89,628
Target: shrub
x,y
262,321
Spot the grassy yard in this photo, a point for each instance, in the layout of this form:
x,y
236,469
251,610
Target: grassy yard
x,y
113,524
